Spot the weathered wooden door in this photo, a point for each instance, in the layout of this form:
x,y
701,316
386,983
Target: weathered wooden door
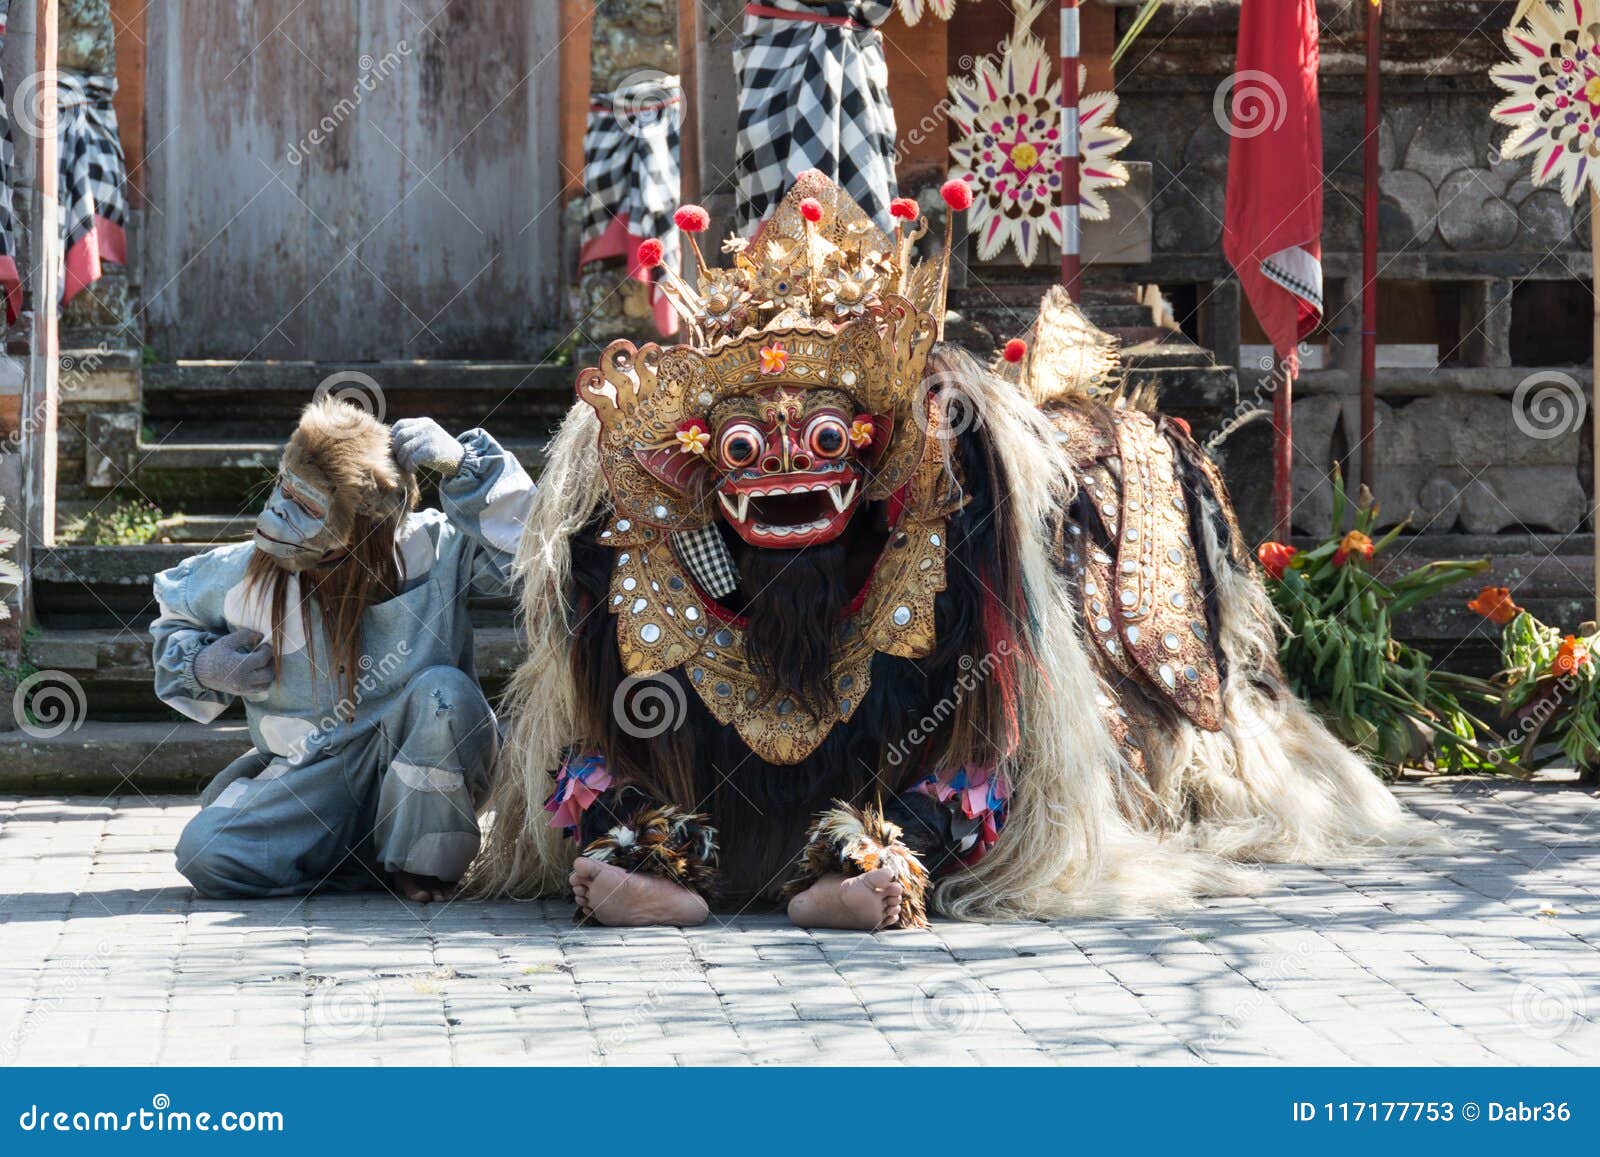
x,y
352,180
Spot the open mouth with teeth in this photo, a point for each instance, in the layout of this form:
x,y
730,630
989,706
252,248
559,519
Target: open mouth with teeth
x,y
791,510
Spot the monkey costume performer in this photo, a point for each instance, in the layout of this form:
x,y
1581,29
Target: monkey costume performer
x,y
343,626
820,610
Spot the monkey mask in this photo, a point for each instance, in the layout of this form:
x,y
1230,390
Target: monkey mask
x,y
336,469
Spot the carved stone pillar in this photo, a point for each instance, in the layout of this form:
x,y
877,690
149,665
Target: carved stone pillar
x,y
87,37
100,338
102,314
631,40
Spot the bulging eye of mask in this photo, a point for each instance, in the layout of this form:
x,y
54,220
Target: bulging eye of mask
x,y
293,536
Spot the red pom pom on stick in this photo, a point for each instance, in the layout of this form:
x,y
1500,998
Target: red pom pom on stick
x,y
904,209
811,209
1016,349
651,253
957,194
692,219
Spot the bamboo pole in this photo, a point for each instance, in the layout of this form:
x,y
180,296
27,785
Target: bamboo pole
x,y
689,72
41,402
1282,451
1369,251
1594,360
1071,153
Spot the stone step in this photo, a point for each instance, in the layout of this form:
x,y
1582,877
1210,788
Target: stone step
x,y
113,665
518,394
213,430
1006,309
111,655
228,477
178,454
79,587
119,757
206,529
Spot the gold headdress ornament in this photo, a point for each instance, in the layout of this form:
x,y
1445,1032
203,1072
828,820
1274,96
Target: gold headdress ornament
x,y
819,297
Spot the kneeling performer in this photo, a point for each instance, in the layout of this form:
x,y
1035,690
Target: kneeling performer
x,y
344,628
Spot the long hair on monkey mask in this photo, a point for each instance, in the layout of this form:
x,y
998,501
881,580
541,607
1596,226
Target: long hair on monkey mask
x,y
331,524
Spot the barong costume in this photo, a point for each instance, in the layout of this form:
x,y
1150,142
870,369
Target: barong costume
x,y
1050,684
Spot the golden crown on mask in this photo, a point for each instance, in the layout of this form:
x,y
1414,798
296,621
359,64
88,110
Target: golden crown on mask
x,y
820,296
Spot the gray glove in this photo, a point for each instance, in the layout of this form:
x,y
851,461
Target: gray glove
x,y
419,442
236,664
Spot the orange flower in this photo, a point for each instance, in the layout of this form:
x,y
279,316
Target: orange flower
x,y
774,358
1569,656
1353,543
1495,604
692,437
1275,557
862,431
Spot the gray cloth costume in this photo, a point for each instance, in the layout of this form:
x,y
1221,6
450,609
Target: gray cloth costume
x,y
338,792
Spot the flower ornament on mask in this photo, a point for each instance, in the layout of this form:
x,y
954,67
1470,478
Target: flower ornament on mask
x,y
850,290
862,431
725,297
774,358
692,437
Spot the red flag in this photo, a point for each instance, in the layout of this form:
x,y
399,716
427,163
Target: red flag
x,y
1273,232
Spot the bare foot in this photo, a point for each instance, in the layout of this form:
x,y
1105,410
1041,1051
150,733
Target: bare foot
x,y
608,895
866,902
422,889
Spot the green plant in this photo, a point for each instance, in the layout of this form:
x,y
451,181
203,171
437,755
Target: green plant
x,y
1138,26
1550,690
12,674
10,569
129,522
1380,695
564,352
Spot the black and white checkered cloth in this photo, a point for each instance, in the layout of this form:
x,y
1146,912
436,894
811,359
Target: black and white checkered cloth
x,y
630,161
814,95
93,175
706,556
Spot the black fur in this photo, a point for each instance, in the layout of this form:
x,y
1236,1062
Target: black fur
x,y
762,810
789,595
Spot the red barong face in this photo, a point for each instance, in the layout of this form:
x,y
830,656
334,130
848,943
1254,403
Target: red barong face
x,y
790,464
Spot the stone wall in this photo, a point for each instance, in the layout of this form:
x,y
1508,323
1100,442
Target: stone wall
x,y
97,436
627,38
1458,447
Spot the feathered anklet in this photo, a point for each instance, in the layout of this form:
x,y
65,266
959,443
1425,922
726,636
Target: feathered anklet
x,y
662,841
855,841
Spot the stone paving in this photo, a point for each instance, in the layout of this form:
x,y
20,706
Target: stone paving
x,y
1488,954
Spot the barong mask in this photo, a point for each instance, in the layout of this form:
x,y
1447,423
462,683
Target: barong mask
x,y
335,469
799,399
791,464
